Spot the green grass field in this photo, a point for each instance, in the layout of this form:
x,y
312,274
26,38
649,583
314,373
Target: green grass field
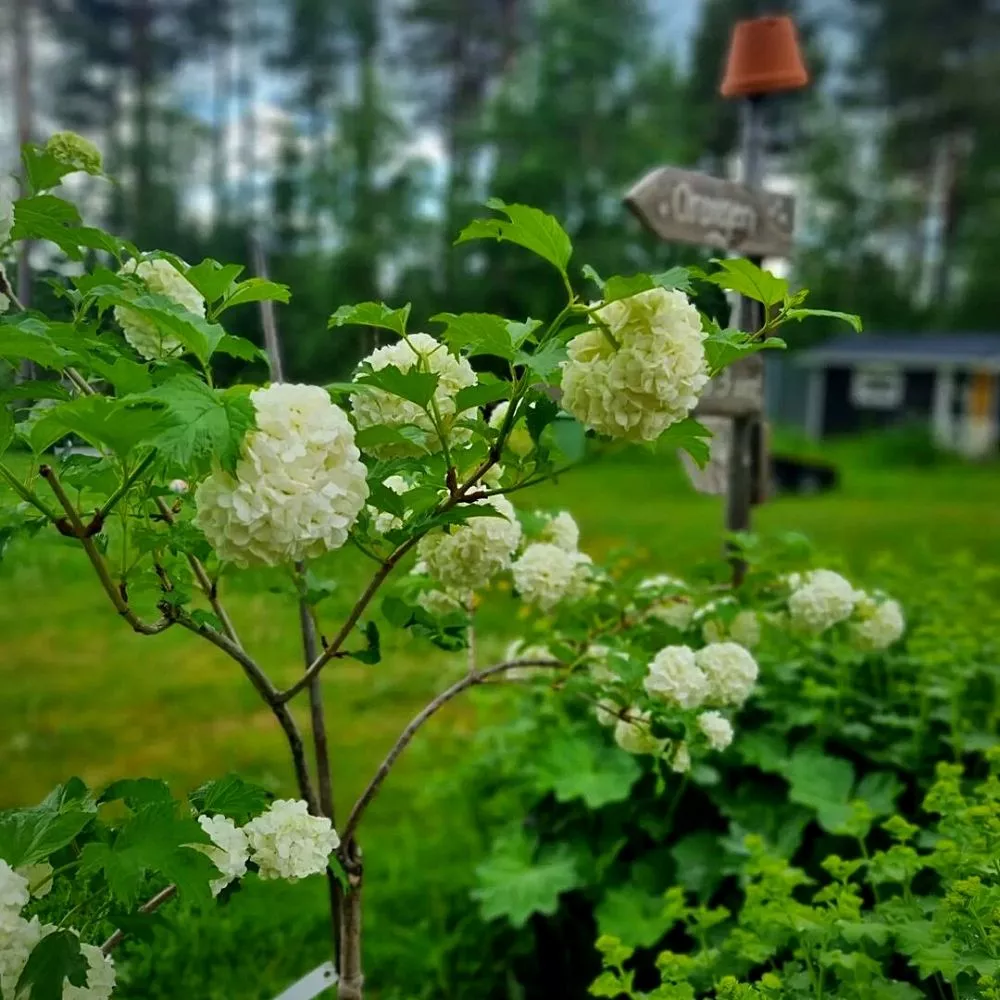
x,y
83,695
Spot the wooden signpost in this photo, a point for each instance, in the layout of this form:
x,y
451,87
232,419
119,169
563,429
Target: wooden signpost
x,y
686,207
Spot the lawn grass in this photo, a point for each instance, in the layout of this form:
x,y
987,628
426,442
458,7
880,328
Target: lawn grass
x,y
82,694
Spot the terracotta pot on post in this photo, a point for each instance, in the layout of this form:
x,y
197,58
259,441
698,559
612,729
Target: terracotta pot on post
x,y
764,58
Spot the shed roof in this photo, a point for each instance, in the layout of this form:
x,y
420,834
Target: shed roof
x,y
924,350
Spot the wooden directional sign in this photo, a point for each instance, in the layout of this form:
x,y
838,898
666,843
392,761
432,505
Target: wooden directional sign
x,y
688,207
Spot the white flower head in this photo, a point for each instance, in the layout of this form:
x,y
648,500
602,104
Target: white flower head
x,y
880,623
730,669
375,407
633,733
161,278
680,763
18,938
562,531
675,678
441,603
288,842
100,976
470,555
743,627
716,728
821,600
651,380
13,889
608,712
546,575
299,486
230,851
519,439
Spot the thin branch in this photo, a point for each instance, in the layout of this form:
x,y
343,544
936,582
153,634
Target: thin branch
x,y
125,486
271,696
80,532
25,494
463,684
149,906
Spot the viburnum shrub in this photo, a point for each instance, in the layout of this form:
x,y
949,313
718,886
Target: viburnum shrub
x,y
187,482
916,916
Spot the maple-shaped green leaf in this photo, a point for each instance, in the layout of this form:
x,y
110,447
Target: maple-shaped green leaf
x,y
126,375
473,334
545,360
485,391
153,841
569,437
203,423
46,217
723,347
574,766
136,792
55,959
528,227
518,879
240,347
116,424
30,835
623,287
632,914
415,385
232,797
737,274
256,290
690,436
32,338
372,314
212,279
42,170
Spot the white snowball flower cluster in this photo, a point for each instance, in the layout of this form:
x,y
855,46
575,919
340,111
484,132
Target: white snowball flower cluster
x,y
742,627
289,842
730,669
375,407
546,575
161,278
230,851
879,623
519,439
716,728
633,733
680,762
819,600
441,603
8,192
471,554
669,600
18,938
299,485
675,678
562,531
651,380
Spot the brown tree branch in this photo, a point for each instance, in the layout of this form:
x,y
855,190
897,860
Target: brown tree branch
x,y
468,681
154,903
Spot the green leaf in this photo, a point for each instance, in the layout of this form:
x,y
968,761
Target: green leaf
x,y
591,274
240,347
723,347
6,428
822,783
372,314
850,318
477,333
318,589
27,338
701,863
126,375
56,958
232,797
256,290
372,653
416,386
203,424
690,436
545,361
879,789
528,227
117,424
570,438
623,287
197,334
33,389
517,880
153,841
41,169
481,394
30,835
633,915
135,792
576,767
737,274
46,217
213,279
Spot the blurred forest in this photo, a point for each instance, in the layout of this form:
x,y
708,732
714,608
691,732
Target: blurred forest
x,y
355,137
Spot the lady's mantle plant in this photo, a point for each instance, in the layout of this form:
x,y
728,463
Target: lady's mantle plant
x,y
191,481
